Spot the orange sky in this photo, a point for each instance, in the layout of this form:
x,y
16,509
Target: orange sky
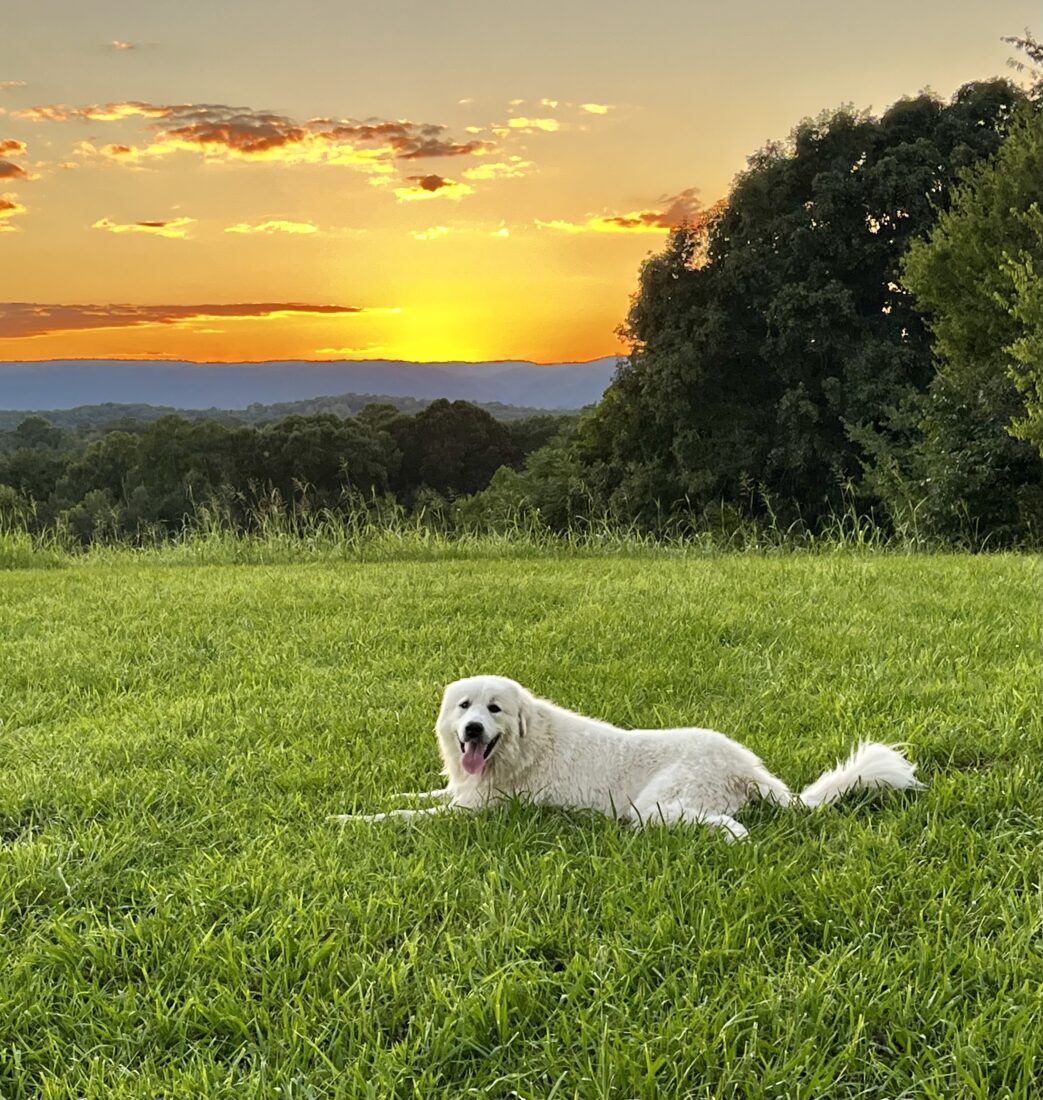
x,y
464,180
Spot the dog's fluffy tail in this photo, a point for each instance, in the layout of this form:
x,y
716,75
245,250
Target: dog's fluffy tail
x,y
870,766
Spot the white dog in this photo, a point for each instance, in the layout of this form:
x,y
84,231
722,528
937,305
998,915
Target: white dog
x,y
498,741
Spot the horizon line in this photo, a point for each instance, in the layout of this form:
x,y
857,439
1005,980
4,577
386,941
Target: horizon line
x,y
317,362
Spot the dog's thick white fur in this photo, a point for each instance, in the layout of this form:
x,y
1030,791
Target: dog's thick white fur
x,y
499,741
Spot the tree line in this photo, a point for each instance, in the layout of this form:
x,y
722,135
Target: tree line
x,y
143,479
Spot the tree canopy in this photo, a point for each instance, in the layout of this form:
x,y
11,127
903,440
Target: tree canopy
x,y
975,276
767,340
146,478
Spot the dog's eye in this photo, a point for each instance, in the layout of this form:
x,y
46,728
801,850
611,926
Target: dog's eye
x,y
493,708
465,703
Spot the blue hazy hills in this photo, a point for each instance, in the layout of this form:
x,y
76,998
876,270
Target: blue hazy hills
x,y
58,383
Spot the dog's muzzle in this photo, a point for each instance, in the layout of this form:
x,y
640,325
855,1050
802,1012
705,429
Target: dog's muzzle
x,y
475,748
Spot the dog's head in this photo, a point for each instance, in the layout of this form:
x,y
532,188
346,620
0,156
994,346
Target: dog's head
x,y
482,721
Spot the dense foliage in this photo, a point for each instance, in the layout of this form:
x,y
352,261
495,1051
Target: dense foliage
x,y
152,478
776,350
976,276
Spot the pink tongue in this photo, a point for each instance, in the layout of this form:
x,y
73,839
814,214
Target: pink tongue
x,y
474,757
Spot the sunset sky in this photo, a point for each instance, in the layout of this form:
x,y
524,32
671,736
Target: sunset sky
x,y
458,180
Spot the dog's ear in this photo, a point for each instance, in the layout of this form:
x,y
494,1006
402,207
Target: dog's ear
x,y
445,700
442,725
525,711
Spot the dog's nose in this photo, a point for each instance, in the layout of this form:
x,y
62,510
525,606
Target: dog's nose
x,y
474,731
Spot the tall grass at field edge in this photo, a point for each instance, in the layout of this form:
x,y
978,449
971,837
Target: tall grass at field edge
x,y
275,537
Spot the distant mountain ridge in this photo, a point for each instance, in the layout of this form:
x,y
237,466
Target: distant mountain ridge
x,y
110,413
65,383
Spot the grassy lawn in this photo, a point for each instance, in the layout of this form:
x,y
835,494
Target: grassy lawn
x,y
179,920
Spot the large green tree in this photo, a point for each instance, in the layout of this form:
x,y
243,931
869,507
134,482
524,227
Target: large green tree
x,y
765,339
452,447
976,277
1026,272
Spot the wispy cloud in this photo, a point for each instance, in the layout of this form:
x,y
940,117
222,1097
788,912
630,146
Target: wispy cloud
x,y
118,44
274,225
359,349
470,229
32,319
674,210
432,233
107,112
10,85
176,228
495,170
563,226
11,147
529,124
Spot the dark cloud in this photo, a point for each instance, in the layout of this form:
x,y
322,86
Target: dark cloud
x,y
245,131
175,228
254,133
409,140
11,171
435,147
431,183
238,128
28,319
638,220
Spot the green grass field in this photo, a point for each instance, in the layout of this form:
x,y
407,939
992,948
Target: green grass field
x,y
179,920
